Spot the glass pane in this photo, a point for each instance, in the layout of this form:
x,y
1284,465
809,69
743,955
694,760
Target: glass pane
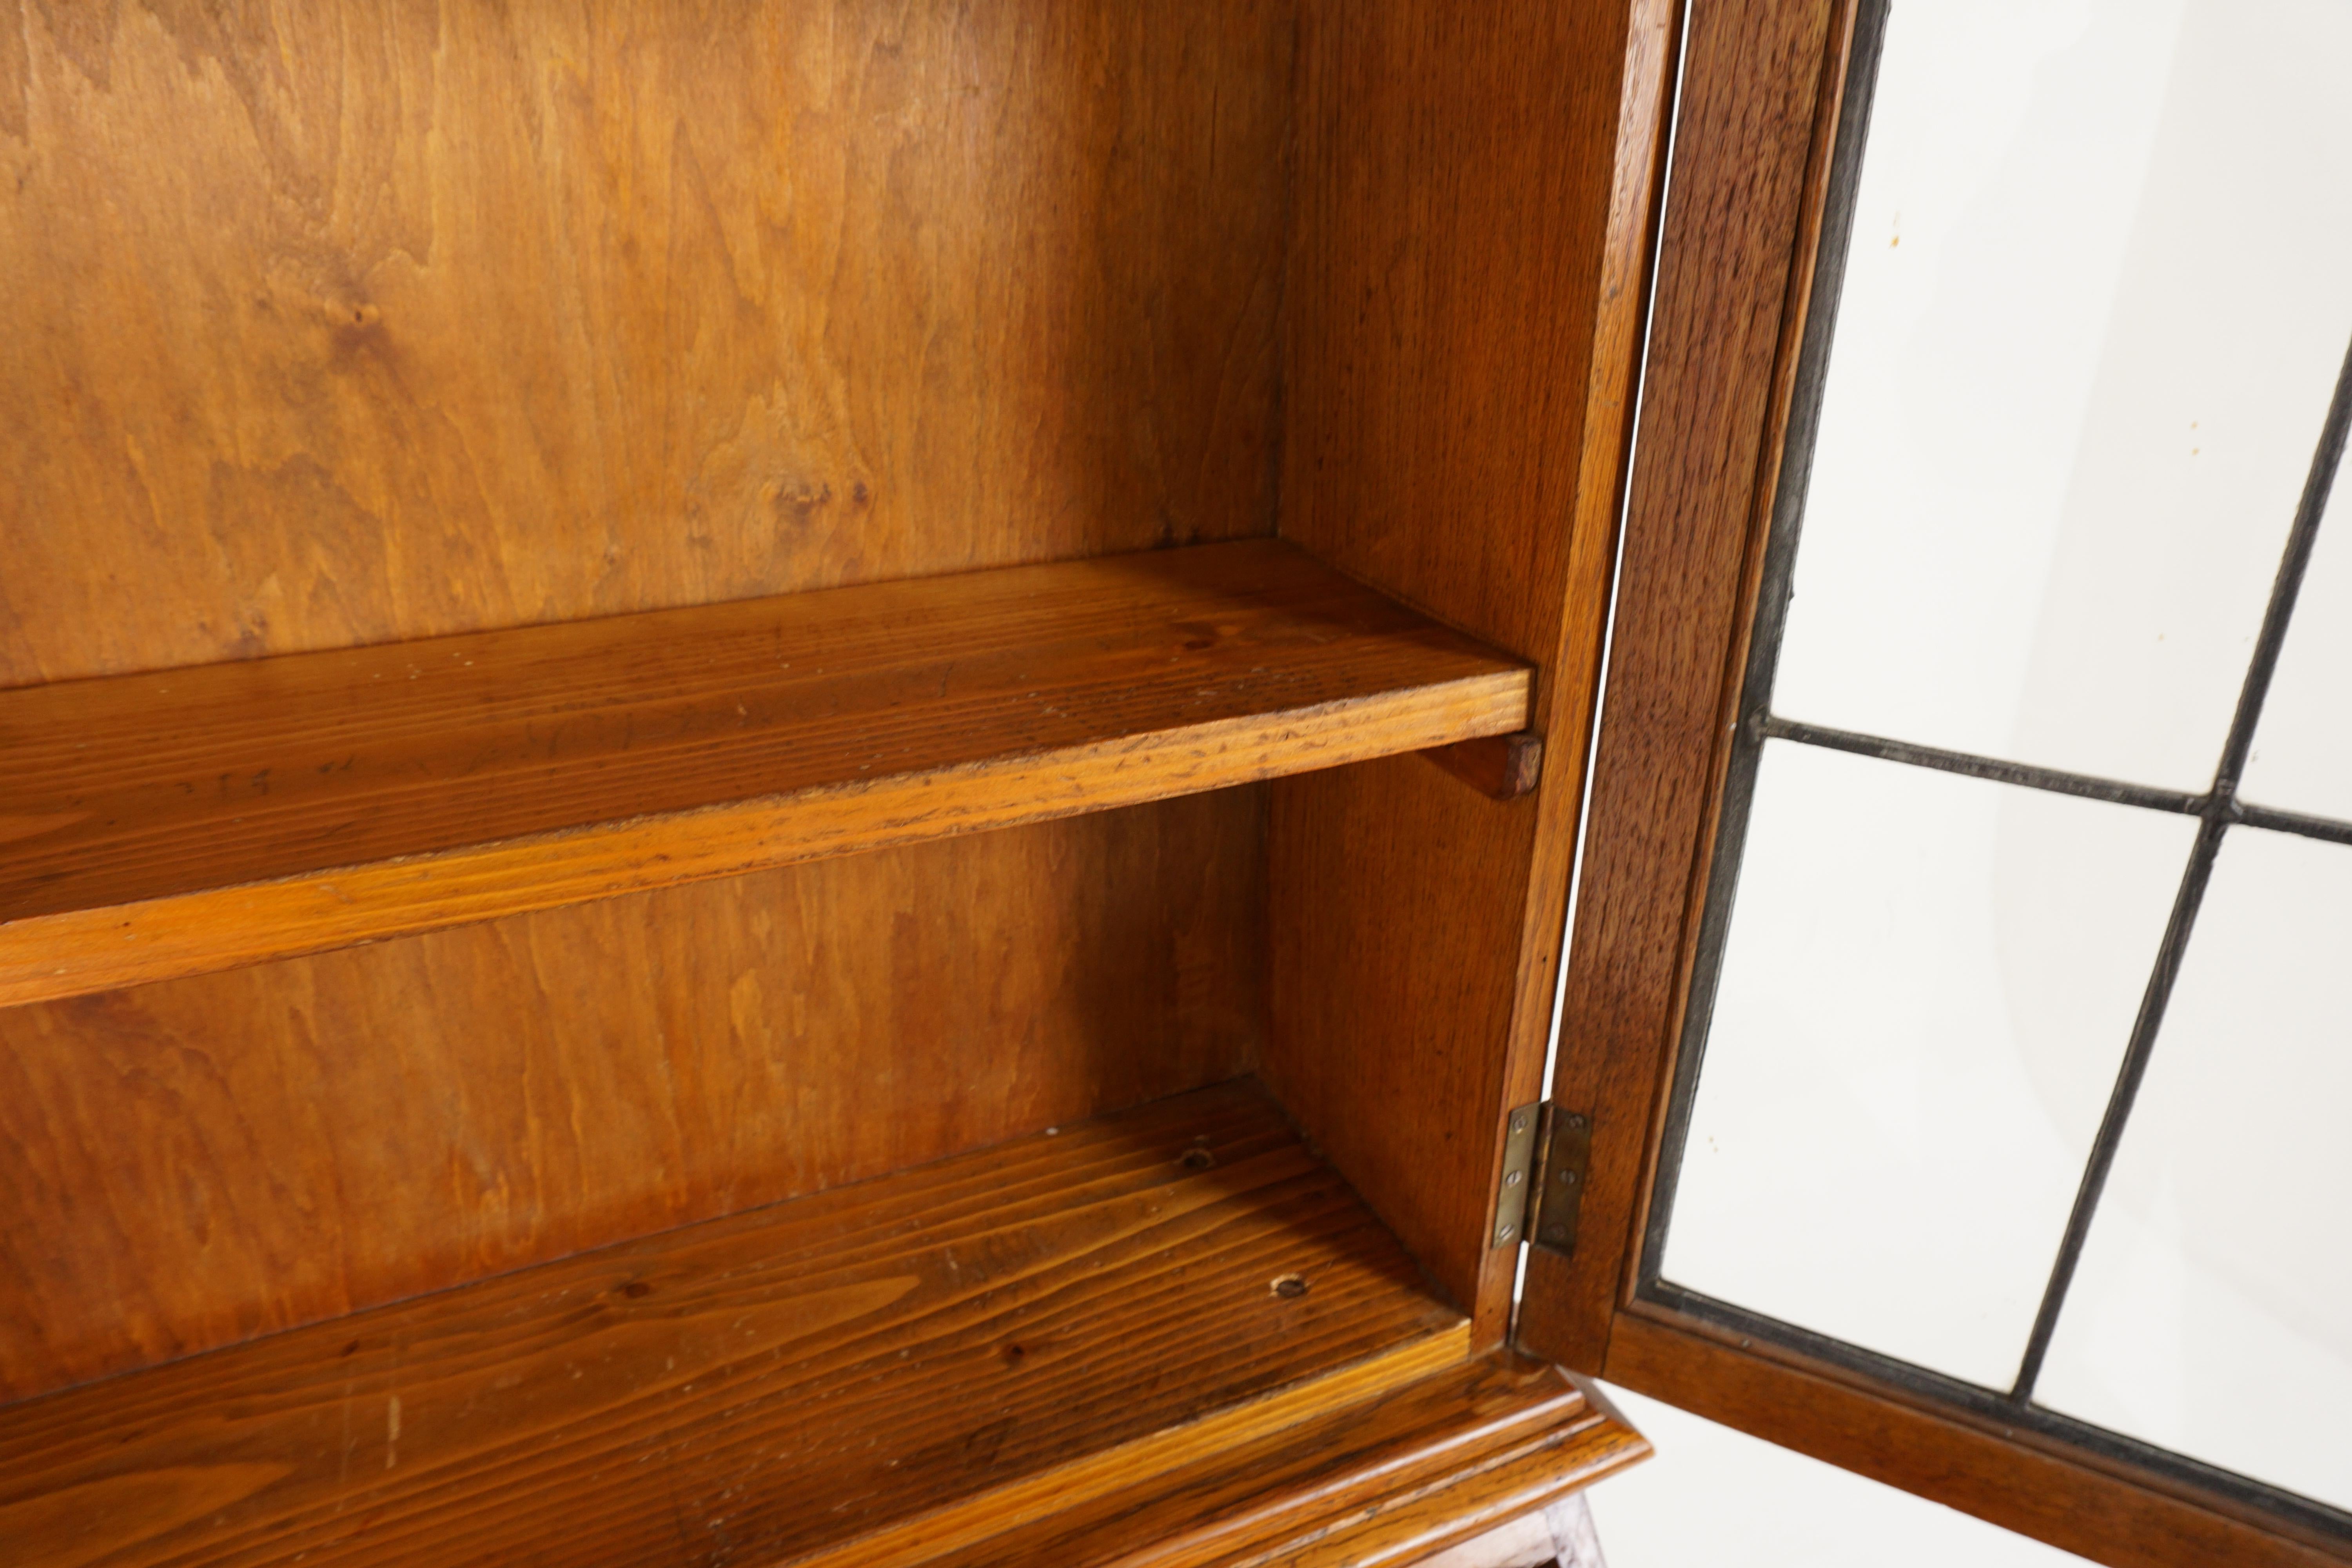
x,y
1928,985
2094,304
2210,1312
2302,758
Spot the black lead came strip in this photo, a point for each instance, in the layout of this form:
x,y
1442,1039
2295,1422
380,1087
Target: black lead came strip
x,y
1774,728
2218,809
2088,787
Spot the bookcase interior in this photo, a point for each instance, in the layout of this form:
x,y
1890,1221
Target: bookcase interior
x,y
619,615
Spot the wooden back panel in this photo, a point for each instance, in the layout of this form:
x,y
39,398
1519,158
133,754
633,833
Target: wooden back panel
x,y
190,1164
340,324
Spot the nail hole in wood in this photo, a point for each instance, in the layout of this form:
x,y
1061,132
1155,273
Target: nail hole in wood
x,y
1197,1160
1289,1287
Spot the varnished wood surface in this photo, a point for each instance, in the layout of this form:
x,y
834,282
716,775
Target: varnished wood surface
x,y
1502,767
1474,187
1375,1475
368,323
1753,126
195,819
2046,1493
1391,1110
1404,1529
1399,1478
188,1164
378,321
759,1387
1562,1536
1067,1504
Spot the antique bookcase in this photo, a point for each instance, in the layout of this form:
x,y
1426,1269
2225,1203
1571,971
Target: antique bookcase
x,y
794,782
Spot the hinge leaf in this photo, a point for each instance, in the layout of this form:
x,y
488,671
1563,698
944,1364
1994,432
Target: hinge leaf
x,y
1556,1183
1518,1166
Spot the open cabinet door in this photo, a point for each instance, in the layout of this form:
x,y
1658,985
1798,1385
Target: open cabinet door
x,y
1944,1040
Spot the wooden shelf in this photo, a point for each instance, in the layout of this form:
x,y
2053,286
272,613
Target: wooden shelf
x,y
1003,1357
197,819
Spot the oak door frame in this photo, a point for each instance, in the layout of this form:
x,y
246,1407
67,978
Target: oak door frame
x,y
1756,124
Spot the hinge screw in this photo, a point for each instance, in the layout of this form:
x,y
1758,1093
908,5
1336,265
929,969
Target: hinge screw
x,y
1510,1178
1519,1122
1505,1233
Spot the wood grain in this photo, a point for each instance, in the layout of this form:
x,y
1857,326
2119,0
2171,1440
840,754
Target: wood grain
x,y
1360,1479
380,320
1389,1110
356,326
188,1164
1537,1473
1753,127
755,1388
1502,767
392,790
1485,1482
1474,188
392,319
2050,1495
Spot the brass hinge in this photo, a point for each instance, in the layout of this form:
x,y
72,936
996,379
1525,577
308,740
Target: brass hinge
x,y
1546,1148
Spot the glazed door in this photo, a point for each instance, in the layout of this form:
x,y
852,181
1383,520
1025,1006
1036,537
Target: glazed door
x,y
1957,989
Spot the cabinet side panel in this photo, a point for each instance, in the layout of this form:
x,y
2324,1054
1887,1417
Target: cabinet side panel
x,y
1473,194
1397,895
191,1163
341,324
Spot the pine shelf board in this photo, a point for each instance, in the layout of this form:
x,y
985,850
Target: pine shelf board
x,y
896,1371
189,820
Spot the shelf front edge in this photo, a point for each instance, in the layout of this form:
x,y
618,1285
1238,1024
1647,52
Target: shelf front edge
x,y
76,952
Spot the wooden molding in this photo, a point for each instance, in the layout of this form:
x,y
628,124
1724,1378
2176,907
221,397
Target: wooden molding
x,y
1386,1479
